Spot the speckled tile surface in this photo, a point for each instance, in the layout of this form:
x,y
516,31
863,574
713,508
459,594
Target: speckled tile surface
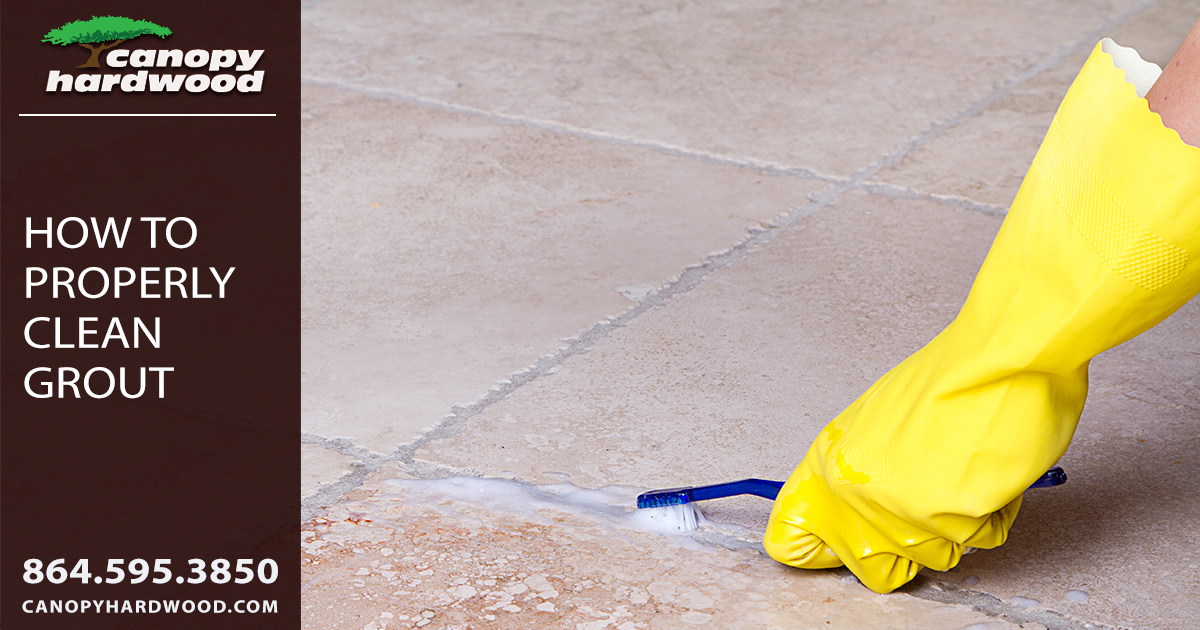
x,y
437,554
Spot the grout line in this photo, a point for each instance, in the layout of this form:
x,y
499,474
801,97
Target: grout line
x,y
343,446
365,462
762,166
1003,90
963,203
931,589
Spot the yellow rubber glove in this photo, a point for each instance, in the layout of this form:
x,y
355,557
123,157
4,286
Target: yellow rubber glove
x,y
1102,242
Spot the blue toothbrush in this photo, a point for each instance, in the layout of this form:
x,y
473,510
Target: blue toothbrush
x,y
770,489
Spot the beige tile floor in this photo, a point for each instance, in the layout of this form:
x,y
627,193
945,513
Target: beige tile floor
x,y
565,246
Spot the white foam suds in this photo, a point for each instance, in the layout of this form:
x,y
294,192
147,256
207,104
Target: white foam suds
x,y
1075,595
611,505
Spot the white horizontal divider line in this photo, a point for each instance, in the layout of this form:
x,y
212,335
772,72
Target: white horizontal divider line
x,y
137,115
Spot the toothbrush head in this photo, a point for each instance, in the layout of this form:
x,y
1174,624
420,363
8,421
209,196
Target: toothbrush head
x,y
674,518
663,498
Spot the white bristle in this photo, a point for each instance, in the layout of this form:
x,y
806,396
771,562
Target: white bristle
x,y
670,519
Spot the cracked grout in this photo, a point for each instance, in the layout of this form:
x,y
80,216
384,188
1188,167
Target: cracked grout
x,y
365,462
692,275
954,201
343,446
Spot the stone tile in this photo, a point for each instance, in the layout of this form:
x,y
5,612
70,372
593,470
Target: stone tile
x,y
319,465
734,378
442,252
985,158
445,554
829,86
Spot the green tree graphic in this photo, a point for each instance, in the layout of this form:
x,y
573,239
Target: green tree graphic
x,y
108,28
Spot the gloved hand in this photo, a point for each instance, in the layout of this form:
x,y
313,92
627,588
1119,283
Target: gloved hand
x,y
1102,242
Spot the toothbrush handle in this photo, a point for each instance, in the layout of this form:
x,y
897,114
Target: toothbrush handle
x,y
770,489
1054,477
758,487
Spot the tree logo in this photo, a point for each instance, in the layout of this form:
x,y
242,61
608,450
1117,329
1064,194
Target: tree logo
x,y
99,30
227,69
